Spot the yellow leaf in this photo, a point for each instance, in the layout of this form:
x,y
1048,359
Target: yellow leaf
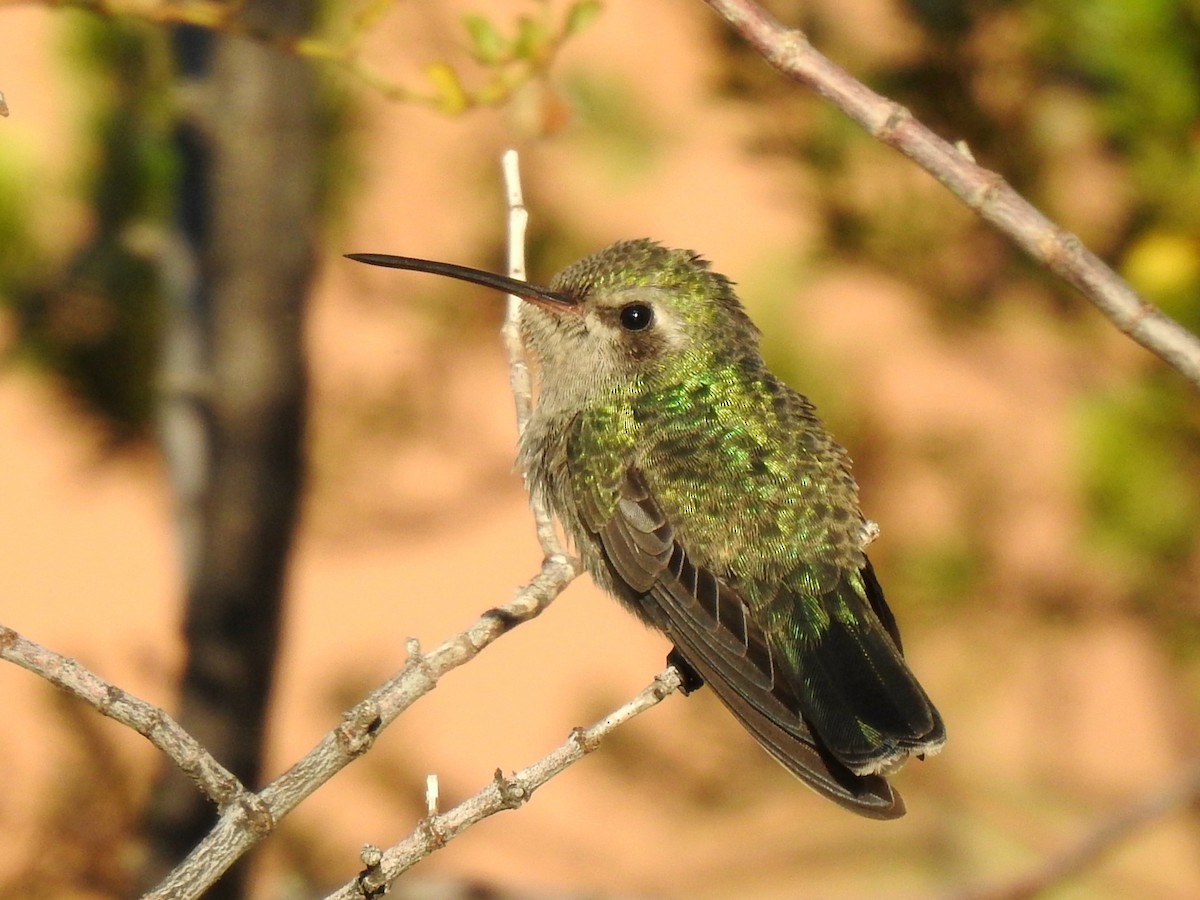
x,y
451,96
1162,263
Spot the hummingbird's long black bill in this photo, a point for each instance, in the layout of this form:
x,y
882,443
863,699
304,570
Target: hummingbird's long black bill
x,y
539,296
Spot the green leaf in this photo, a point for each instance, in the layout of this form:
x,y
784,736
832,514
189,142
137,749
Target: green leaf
x,y
487,44
532,38
580,15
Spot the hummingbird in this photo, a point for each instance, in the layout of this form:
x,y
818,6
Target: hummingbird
x,y
706,496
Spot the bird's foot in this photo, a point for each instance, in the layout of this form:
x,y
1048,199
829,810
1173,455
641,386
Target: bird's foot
x,y
689,678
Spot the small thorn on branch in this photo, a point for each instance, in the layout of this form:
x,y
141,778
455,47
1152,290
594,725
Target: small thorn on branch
x,y
417,661
512,792
359,728
370,855
585,741
371,883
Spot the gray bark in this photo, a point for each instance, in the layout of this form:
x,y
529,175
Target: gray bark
x,y
233,425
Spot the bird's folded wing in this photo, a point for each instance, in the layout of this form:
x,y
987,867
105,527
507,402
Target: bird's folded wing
x,y
710,625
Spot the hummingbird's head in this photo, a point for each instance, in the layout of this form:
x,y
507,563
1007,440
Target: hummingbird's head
x,y
632,312
648,305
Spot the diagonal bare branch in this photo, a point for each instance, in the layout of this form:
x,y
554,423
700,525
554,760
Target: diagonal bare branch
x,y
503,793
217,782
789,51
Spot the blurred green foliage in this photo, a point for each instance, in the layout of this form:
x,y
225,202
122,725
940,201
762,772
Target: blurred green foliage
x,y
625,139
19,251
95,322
1141,462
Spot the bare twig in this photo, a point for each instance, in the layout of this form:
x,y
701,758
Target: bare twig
x,y
518,219
220,785
3,105
240,827
503,793
518,366
1182,792
789,51
432,795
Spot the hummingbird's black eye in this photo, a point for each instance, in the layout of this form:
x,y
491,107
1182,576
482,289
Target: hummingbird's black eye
x,y
636,316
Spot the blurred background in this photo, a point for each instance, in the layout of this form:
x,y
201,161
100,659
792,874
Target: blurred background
x,y
213,425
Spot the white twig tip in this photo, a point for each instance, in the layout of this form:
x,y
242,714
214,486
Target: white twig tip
x,y
431,795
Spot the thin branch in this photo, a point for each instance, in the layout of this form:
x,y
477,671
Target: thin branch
x,y
3,105
1184,791
789,51
242,825
518,220
217,782
518,366
503,793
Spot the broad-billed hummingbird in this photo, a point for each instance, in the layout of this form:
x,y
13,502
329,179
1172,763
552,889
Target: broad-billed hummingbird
x,y
707,496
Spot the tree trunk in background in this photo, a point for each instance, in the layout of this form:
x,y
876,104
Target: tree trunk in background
x,y
235,446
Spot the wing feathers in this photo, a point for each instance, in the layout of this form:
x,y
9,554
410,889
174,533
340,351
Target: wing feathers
x,y
847,682
796,750
868,708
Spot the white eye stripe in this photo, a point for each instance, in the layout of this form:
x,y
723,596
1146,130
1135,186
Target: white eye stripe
x,y
670,329
611,315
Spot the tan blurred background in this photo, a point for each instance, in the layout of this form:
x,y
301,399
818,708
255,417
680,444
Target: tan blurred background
x,y
1033,473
